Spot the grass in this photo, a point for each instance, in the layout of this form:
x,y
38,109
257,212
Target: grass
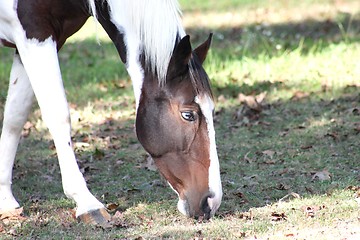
x,y
290,169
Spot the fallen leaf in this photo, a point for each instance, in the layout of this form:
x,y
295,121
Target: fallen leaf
x,y
12,215
333,135
298,95
269,162
251,108
98,154
150,164
287,196
353,188
118,220
289,235
81,145
12,232
249,178
253,102
67,216
247,159
282,186
278,216
27,129
246,215
284,132
241,195
310,211
269,153
357,128
112,206
241,234
119,162
322,176
355,111
285,170
309,189
304,147
300,127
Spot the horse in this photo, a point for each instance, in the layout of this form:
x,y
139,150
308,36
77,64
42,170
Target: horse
x,y
173,97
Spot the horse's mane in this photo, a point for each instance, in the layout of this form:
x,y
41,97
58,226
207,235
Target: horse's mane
x,y
156,23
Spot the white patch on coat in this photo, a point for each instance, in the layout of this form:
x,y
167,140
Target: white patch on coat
x,y
207,107
181,205
9,24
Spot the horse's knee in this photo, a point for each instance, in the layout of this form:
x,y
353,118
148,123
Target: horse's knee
x,y
13,124
58,122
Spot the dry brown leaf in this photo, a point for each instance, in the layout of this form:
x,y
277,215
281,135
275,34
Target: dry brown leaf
x,y
246,215
298,95
27,129
278,216
305,147
310,211
283,171
309,189
269,153
118,220
287,196
322,176
112,206
12,215
247,159
80,145
28,125
282,186
150,164
284,132
241,195
251,108
353,188
357,127
333,135
270,162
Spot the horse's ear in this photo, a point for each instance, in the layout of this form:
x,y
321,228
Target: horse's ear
x,y
181,56
202,50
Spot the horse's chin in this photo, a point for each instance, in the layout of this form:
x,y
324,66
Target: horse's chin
x,y
183,207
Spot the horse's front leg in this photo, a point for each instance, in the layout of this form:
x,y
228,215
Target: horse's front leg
x,y
17,108
41,63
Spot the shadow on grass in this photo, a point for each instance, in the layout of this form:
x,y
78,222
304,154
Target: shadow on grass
x,y
259,39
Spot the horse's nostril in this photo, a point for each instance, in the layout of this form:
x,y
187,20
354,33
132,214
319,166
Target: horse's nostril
x,y
204,206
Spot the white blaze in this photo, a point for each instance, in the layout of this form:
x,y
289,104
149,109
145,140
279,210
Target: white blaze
x,y
207,107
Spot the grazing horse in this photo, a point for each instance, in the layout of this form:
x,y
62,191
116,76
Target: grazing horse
x,y
174,103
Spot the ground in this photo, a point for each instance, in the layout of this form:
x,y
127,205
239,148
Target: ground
x,y
286,82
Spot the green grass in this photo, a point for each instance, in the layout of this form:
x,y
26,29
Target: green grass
x,y
305,62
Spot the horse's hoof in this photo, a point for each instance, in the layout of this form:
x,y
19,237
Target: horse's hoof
x,y
99,217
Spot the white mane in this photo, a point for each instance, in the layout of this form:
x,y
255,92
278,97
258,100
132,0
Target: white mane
x,y
156,24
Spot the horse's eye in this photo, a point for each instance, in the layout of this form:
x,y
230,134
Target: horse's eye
x,y
188,116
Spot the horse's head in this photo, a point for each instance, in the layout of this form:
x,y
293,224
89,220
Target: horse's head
x,y
174,124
